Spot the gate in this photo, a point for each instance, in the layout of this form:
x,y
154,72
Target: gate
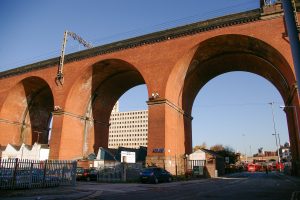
x,y
120,173
22,173
196,167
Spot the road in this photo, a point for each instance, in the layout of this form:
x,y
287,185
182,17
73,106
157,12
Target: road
x,y
252,186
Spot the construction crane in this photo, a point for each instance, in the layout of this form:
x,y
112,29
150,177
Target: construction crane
x,y
60,75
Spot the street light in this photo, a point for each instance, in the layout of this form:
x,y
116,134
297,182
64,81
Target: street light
x,y
275,134
185,158
245,149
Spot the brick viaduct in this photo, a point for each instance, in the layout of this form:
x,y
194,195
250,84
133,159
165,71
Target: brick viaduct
x,y
175,63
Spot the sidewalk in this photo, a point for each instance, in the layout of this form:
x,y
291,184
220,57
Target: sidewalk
x,y
82,190
85,190
92,190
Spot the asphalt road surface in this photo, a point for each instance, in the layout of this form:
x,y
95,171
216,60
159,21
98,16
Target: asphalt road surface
x,y
241,186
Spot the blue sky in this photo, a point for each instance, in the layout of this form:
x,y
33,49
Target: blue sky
x,y
232,109
228,107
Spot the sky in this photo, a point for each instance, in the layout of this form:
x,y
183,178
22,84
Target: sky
x,y
231,109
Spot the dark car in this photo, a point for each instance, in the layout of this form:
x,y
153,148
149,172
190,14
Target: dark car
x,y
86,174
155,175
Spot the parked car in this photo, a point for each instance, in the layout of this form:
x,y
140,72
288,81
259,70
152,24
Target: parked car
x,y
86,174
155,175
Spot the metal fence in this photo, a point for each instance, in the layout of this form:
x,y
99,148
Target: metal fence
x,y
119,173
22,173
192,163
196,167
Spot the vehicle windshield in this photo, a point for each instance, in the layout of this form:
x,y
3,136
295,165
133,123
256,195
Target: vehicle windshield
x,y
79,170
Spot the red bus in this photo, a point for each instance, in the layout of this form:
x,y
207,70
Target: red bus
x,y
251,167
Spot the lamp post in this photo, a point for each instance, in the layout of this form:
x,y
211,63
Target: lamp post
x,y
275,133
246,159
38,136
185,158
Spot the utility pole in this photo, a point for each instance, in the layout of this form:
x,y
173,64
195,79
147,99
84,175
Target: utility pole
x,y
246,157
60,75
38,135
275,133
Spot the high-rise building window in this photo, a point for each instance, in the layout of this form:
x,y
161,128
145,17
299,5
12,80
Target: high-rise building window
x,y
133,122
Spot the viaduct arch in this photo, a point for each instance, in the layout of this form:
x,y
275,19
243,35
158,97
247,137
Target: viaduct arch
x,y
89,105
222,54
174,64
26,112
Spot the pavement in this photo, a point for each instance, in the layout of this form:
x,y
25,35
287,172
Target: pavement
x,y
93,190
85,190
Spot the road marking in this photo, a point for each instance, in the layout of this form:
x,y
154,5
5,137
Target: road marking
x,y
228,178
93,195
287,179
295,195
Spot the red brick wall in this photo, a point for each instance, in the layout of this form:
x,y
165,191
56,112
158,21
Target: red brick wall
x,y
168,68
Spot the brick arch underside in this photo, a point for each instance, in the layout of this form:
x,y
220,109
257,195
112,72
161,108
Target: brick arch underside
x,y
26,113
229,53
93,97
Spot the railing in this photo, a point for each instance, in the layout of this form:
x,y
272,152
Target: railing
x,y
21,173
109,175
195,167
119,173
192,163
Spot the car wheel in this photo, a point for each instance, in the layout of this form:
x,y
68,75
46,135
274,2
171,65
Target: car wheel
x,y
88,178
170,179
155,180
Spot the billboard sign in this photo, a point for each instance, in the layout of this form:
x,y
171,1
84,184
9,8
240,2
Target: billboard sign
x,y
127,157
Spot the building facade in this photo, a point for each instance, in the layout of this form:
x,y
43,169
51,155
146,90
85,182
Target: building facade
x,y
30,152
128,129
206,163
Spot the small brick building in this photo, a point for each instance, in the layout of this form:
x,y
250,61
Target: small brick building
x,y
208,162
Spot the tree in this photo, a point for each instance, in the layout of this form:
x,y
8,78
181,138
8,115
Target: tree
x,y
226,151
260,150
217,148
286,145
202,146
229,149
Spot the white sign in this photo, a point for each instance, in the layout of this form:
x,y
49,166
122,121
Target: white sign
x,y
127,157
227,160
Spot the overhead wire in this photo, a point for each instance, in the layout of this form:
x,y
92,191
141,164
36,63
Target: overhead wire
x,y
46,55
239,104
139,31
177,22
